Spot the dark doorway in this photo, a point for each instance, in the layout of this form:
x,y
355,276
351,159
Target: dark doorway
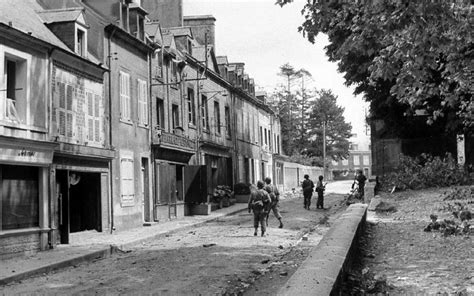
x,y
79,204
84,201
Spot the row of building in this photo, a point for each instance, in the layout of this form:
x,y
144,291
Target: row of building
x,y
118,113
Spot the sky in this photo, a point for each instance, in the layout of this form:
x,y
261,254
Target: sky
x,y
265,36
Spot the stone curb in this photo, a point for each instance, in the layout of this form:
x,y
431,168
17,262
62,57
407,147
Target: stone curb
x,y
105,252
322,271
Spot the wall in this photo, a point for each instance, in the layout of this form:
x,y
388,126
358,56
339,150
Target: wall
x,y
168,12
130,139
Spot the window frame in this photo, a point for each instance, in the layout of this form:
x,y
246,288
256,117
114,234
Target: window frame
x,y
127,177
125,97
142,101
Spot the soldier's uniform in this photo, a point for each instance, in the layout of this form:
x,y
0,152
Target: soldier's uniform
x,y
259,203
275,199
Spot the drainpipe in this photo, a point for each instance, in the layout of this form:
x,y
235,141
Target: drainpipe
x,y
52,189
109,57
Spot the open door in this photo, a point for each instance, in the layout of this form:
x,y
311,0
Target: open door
x,y
62,190
195,184
166,188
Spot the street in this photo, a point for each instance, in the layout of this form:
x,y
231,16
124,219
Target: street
x,y
216,258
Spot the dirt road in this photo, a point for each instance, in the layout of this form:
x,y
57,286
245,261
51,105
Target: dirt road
x,y
218,258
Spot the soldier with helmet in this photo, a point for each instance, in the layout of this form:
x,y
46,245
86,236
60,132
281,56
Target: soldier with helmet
x,y
259,203
275,199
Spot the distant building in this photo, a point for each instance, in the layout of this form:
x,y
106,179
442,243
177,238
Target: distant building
x,y
360,158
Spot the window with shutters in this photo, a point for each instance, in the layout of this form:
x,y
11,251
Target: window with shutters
x,y
125,100
142,103
191,108
356,159
127,186
65,111
366,159
217,117
93,118
227,122
204,113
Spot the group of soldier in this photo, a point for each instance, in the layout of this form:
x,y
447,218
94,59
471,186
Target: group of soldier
x,y
263,199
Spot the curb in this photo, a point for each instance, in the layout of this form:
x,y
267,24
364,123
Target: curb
x,y
323,270
103,253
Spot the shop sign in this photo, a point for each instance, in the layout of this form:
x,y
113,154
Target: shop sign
x,y
27,155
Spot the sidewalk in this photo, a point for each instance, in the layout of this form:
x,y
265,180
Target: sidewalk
x,y
91,245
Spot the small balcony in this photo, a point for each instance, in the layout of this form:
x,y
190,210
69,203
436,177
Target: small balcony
x,y
173,141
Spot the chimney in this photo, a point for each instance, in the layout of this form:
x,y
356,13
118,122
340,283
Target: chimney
x,y
200,25
168,12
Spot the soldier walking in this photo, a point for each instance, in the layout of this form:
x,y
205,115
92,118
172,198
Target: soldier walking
x,y
259,203
275,200
308,186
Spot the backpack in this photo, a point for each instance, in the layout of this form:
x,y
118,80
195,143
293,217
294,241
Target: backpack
x,y
260,200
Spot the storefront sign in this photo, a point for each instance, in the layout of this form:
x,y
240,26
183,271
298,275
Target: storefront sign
x,y
26,155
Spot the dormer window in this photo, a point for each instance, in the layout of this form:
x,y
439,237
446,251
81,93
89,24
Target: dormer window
x,y
124,16
190,47
81,42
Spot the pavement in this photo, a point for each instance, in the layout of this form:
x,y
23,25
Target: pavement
x,y
92,245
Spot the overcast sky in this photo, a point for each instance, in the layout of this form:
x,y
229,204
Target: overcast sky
x,y
264,36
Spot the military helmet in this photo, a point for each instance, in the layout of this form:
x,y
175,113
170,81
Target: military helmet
x,y
260,184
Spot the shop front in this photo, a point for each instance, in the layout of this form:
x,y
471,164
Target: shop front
x,y
81,199
176,181
24,195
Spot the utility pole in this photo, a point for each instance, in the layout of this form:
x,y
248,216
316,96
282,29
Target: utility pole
x,y
324,147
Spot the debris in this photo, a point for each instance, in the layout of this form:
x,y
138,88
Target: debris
x,y
284,273
265,261
257,272
208,245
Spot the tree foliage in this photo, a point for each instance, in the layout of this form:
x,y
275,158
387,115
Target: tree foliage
x,y
404,56
326,117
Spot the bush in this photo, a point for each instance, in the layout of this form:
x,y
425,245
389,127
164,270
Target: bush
x,y
241,188
426,171
221,192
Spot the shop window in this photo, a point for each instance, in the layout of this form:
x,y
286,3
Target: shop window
x,y
19,197
125,104
142,103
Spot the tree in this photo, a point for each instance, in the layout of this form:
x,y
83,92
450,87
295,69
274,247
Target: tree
x,y
404,56
292,109
327,120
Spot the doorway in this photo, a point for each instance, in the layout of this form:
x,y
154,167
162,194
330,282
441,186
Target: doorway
x,y
79,202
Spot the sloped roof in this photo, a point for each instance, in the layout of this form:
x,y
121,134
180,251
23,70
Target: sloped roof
x,y
23,17
60,15
152,29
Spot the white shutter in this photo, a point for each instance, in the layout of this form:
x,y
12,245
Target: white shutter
x,y
142,102
124,95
